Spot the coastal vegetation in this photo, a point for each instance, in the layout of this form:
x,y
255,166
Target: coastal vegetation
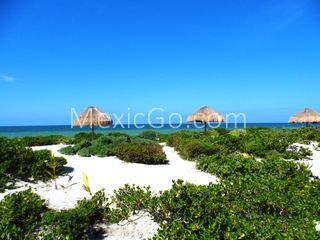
x,y
256,142
139,149
140,152
43,140
24,215
19,162
263,193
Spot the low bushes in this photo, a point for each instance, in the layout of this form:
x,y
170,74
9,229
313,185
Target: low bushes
x,y
141,153
258,142
43,140
297,153
74,149
69,150
47,166
102,147
23,215
254,200
224,166
20,214
130,149
77,222
305,134
177,139
244,209
105,145
18,162
82,137
266,199
269,199
194,148
191,144
150,134
144,140
128,200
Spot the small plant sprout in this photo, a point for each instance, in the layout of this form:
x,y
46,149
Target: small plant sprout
x,y
86,185
53,165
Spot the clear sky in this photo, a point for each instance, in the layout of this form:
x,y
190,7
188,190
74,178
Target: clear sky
x,y
258,57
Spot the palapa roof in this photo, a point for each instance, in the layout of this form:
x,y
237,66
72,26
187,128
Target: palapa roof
x,y
93,116
307,115
205,114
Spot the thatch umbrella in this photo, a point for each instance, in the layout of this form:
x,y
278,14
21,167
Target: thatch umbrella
x,y
205,115
306,116
93,116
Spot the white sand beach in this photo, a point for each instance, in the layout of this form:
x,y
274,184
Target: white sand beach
x,y
110,173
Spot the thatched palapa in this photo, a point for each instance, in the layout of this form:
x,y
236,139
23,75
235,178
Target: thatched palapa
x,y
205,115
305,116
92,117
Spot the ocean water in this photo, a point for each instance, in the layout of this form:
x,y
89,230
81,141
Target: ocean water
x,y
20,131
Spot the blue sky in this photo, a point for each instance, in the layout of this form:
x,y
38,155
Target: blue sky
x,y
256,57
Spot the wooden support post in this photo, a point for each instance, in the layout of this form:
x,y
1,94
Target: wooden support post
x,y
205,128
92,133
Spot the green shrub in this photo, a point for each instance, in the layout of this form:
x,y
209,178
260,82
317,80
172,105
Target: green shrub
x,y
144,140
244,208
298,153
23,215
122,146
84,152
229,165
272,198
119,134
41,169
128,200
255,141
77,222
20,214
194,148
237,132
305,134
141,153
105,145
83,137
18,162
15,160
228,143
267,199
176,140
222,131
260,142
43,140
68,150
102,147
72,150
150,134
104,140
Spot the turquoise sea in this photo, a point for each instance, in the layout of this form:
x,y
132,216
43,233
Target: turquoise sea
x,y
20,131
